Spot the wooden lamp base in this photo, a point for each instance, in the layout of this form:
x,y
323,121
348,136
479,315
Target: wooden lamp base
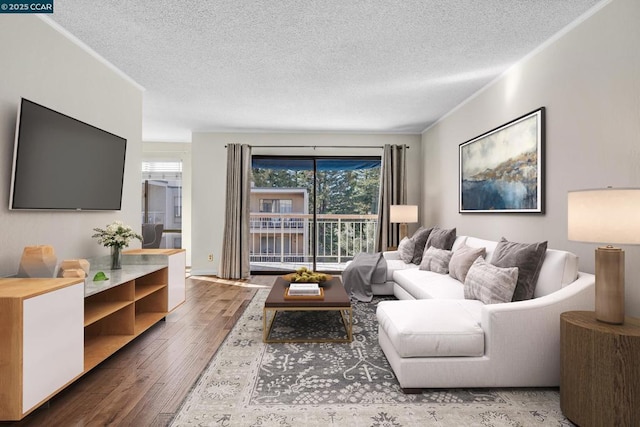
x,y
610,285
403,230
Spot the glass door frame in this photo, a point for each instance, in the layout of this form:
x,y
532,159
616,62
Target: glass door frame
x,y
314,230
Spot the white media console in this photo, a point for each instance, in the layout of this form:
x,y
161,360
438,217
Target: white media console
x,y
53,331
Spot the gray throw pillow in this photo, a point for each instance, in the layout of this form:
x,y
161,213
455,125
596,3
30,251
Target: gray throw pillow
x,y
436,260
490,284
442,238
420,240
462,259
405,250
528,257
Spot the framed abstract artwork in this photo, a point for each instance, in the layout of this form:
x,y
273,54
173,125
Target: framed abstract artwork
x,y
503,170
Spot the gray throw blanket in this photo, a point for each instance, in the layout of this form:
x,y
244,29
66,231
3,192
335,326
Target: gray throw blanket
x,y
364,270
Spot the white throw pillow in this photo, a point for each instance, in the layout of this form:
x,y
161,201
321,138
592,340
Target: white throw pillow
x,y
490,284
436,260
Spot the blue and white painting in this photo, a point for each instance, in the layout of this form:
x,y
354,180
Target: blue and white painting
x,y
501,170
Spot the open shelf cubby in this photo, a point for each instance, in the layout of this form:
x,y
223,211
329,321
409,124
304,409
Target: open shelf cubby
x,y
105,336
117,315
103,304
151,293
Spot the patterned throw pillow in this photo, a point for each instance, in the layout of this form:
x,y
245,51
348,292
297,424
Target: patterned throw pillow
x,y
528,257
490,284
462,259
405,250
420,239
441,238
436,260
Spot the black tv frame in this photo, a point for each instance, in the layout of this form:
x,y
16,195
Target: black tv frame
x,y
66,165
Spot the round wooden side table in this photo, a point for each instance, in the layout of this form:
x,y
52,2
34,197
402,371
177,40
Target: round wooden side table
x,y
599,370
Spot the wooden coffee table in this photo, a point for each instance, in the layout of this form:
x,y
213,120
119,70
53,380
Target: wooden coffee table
x,y
335,299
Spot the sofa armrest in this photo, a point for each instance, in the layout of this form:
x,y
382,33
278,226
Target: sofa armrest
x,y
528,332
509,317
391,255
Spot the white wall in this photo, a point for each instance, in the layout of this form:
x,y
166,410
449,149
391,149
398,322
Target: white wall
x,y
209,158
41,64
589,81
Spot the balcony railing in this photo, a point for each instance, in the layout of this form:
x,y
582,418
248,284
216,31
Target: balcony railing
x,y
283,241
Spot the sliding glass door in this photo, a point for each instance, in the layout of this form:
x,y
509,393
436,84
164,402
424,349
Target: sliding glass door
x,y
316,212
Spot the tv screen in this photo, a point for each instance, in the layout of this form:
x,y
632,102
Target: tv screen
x,y
62,163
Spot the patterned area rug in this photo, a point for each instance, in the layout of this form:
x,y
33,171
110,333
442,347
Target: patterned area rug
x,y
249,383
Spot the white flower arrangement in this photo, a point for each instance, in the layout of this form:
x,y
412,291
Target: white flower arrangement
x,y
116,235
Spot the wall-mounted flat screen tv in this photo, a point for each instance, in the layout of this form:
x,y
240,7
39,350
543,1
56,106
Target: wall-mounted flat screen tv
x,y
60,163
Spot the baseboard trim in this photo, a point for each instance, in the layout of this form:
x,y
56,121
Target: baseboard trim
x,y
204,272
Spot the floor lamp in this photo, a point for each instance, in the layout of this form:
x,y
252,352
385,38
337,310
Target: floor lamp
x,y
403,214
610,215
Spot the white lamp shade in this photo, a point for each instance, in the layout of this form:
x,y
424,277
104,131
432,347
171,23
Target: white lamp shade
x,y
610,215
403,213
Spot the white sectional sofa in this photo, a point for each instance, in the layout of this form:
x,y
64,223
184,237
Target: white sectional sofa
x,y
435,338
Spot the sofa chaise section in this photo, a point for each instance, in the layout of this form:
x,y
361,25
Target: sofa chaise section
x,y
432,336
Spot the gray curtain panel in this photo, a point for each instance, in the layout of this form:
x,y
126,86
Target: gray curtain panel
x,y
393,191
234,262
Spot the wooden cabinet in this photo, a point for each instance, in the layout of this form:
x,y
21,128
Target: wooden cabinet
x,y
56,330
600,370
177,289
41,338
117,315
151,299
175,259
132,300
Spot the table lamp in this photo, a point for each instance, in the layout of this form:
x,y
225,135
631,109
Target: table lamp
x,y
403,214
608,215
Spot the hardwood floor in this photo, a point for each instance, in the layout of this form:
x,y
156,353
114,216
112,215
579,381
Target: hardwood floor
x,y
145,382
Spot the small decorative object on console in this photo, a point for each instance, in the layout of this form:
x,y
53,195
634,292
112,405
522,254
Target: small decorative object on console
x,y
74,268
116,236
100,276
38,261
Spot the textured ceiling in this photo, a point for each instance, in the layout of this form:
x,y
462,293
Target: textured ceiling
x,y
325,65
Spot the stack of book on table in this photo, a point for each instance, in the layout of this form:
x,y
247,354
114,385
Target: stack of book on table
x,y
304,289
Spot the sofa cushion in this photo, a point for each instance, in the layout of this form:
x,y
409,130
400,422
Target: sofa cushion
x,y
490,284
528,257
458,242
420,241
422,284
436,260
461,261
430,328
397,264
442,238
405,249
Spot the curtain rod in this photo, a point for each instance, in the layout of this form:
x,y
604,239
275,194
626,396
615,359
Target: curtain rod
x,y
318,146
